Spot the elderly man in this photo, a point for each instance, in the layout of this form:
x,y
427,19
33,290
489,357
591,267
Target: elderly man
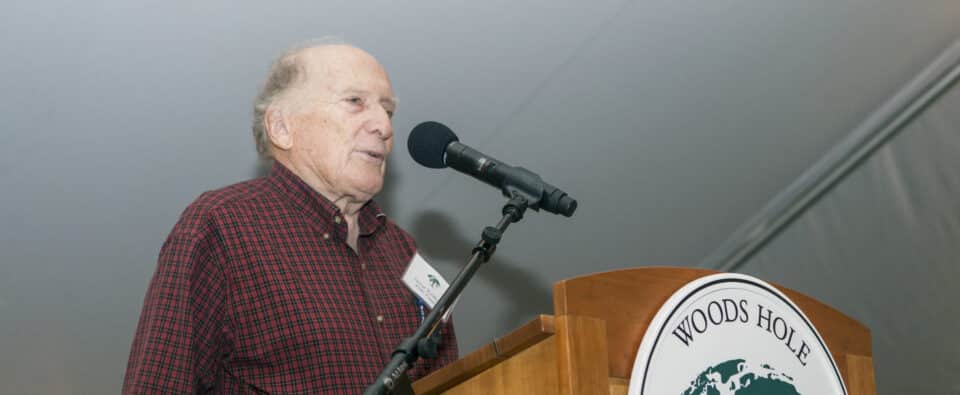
x,y
289,283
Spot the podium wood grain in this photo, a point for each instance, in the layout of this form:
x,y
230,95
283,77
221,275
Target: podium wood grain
x,y
589,347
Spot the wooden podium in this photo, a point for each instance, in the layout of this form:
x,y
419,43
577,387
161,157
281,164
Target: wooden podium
x,y
588,346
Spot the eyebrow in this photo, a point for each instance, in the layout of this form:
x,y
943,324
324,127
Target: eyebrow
x,y
392,100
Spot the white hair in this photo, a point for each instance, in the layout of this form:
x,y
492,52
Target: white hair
x,y
286,70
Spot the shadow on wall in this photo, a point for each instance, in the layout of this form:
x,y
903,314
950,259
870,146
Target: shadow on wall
x,y
527,292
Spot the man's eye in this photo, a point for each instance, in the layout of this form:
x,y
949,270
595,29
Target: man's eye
x,y
355,100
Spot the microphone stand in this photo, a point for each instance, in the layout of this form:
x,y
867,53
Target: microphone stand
x,y
424,342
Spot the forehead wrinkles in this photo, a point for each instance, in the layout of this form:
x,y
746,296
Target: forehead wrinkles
x,y
331,71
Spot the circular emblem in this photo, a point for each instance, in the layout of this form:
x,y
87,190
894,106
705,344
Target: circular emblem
x,y
732,334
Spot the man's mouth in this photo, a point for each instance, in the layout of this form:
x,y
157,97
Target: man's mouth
x,y
373,156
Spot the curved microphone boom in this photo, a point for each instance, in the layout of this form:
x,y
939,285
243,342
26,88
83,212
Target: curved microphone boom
x,y
434,145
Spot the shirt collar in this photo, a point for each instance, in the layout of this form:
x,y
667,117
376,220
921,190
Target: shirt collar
x,y
370,218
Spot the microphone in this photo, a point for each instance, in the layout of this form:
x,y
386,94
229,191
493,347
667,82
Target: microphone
x,y
434,145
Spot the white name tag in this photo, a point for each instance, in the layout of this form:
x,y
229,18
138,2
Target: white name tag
x,y
426,282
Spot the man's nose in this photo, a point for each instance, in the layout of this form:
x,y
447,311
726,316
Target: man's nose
x,y
382,124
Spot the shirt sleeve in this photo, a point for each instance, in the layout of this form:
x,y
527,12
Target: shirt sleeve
x,y
180,339
448,351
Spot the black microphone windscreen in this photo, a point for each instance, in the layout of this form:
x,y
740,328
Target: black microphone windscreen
x,y
428,143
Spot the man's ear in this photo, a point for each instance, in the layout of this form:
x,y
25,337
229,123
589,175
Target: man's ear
x,y
278,130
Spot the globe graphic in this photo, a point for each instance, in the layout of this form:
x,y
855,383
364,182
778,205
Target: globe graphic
x,y
739,377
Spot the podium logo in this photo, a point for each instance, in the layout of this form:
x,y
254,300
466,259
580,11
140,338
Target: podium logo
x,y
732,334
737,377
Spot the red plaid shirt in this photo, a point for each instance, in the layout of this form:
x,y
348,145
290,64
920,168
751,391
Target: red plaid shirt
x,y
257,291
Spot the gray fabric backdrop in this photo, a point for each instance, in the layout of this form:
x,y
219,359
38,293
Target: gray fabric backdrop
x,y
884,247
672,122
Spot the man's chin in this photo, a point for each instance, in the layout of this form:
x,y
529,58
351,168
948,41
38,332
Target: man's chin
x,y
366,191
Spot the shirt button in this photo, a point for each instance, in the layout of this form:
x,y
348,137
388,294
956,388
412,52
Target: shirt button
x,y
326,236
363,266
336,219
380,318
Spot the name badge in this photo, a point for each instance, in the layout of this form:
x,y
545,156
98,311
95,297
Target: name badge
x,y
426,282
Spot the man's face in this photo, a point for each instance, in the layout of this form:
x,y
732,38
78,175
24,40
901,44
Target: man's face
x,y
342,130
